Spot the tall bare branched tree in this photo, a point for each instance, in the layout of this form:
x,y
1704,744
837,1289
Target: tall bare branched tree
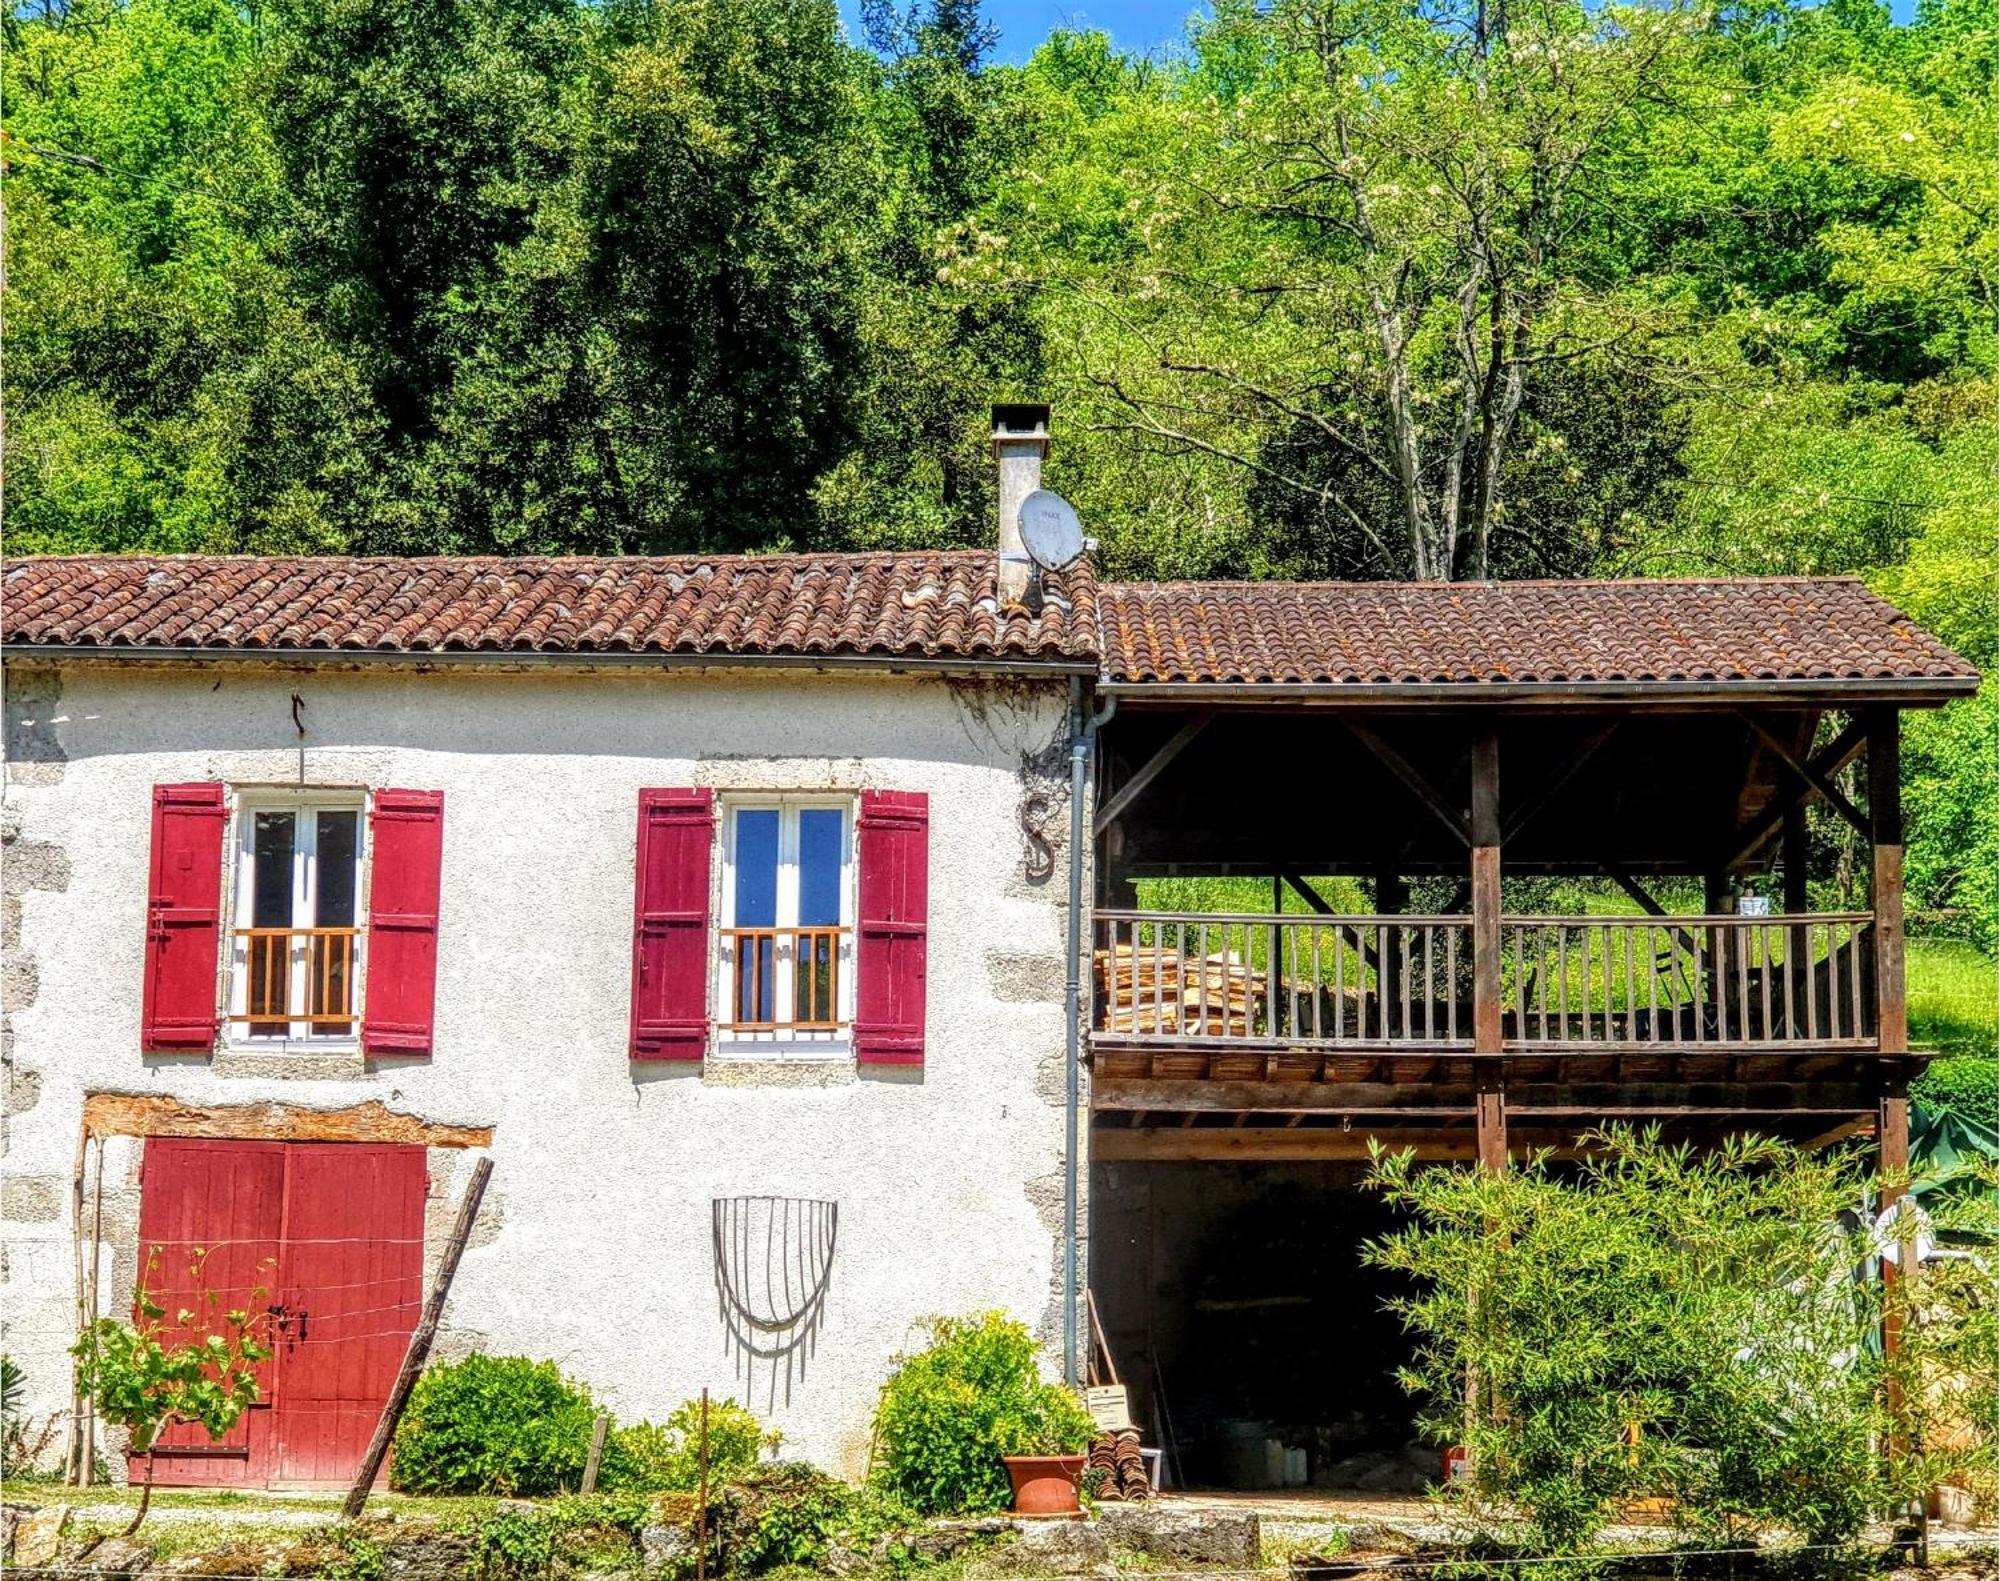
x,y
1384,227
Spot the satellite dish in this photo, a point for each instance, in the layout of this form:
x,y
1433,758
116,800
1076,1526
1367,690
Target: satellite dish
x,y
1050,531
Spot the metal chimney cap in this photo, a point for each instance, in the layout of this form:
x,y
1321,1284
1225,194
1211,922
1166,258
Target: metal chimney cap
x,y
1018,421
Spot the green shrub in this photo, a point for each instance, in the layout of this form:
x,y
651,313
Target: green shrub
x,y
649,1457
1967,1085
789,1515
494,1424
950,1411
1705,1300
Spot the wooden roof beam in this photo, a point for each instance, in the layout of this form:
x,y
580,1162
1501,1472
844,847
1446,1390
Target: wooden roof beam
x,y
1149,771
1413,779
1837,754
1804,770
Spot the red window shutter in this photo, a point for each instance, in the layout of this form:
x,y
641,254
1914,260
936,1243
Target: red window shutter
x,y
406,861
183,918
670,950
894,851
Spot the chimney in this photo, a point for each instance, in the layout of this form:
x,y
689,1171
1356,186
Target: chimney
x,y
1020,440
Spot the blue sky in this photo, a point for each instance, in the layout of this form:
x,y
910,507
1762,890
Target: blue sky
x,y
1139,26
1136,25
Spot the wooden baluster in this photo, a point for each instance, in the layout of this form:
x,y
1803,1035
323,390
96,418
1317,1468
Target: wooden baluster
x,y
1318,984
1832,985
1430,985
1654,936
1854,979
1562,981
1763,936
1339,985
1631,988
1520,988
1451,983
1807,966
1739,943
1703,953
1403,978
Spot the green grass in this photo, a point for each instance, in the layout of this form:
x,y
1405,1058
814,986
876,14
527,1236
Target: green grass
x,y
1952,999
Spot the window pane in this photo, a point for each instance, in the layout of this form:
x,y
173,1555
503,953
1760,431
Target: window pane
x,y
820,836
756,907
271,877
757,867
334,905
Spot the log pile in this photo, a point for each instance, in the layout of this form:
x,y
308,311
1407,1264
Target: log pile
x,y
1152,991
1116,1455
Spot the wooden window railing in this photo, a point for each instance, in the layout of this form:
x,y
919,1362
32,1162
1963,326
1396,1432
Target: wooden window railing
x,y
294,976
783,979
1638,982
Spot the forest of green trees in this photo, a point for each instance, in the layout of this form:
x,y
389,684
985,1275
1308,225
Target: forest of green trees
x,y
1338,288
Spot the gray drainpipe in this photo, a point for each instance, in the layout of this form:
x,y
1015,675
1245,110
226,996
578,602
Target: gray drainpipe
x,y
1085,730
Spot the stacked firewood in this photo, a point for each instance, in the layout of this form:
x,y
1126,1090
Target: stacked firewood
x,y
1117,1456
1165,993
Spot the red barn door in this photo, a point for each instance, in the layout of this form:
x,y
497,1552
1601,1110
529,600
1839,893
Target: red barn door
x,y
325,1237
209,1214
354,1265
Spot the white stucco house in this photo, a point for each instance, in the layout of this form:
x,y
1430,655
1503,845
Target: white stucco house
x,y
754,918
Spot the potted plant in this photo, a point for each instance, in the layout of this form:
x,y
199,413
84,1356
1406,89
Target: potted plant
x,y
1042,1445
967,1424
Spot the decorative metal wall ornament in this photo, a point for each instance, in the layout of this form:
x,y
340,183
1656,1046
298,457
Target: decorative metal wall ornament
x,y
773,1259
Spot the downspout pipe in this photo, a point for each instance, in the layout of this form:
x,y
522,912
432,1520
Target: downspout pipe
x,y
1083,734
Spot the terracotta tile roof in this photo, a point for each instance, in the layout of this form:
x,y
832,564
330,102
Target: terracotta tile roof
x,y
1378,634
918,605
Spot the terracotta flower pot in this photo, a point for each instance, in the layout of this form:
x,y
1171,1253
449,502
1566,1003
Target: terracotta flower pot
x,y
1045,1484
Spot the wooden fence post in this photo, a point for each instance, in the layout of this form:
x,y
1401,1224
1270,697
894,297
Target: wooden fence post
x,y
420,1343
597,1432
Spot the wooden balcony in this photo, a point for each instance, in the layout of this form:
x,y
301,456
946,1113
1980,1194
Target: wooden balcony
x,y
1188,981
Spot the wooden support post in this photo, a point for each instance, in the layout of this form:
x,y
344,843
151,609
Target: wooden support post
x,y
420,1343
1492,1120
1885,829
1485,884
1892,1144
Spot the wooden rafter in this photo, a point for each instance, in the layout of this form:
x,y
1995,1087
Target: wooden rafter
x,y
1149,771
1413,779
1552,787
1803,768
1837,754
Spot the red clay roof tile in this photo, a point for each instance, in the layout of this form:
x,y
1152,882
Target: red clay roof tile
x,y
929,605
1373,634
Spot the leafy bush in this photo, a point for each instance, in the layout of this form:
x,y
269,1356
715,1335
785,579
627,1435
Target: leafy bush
x,y
1702,1302
952,1410
652,1458
793,1515
197,1369
494,1424
1962,1084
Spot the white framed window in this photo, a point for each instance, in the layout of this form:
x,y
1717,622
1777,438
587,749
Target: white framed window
x,y
785,950
296,941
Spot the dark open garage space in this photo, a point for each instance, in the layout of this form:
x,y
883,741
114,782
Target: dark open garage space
x,y
1247,1327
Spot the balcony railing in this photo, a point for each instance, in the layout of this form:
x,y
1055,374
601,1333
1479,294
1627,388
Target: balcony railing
x,y
1637,982
297,977
1196,979
783,979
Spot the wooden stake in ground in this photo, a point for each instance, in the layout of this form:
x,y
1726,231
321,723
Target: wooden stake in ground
x,y
596,1453
701,1500
420,1343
